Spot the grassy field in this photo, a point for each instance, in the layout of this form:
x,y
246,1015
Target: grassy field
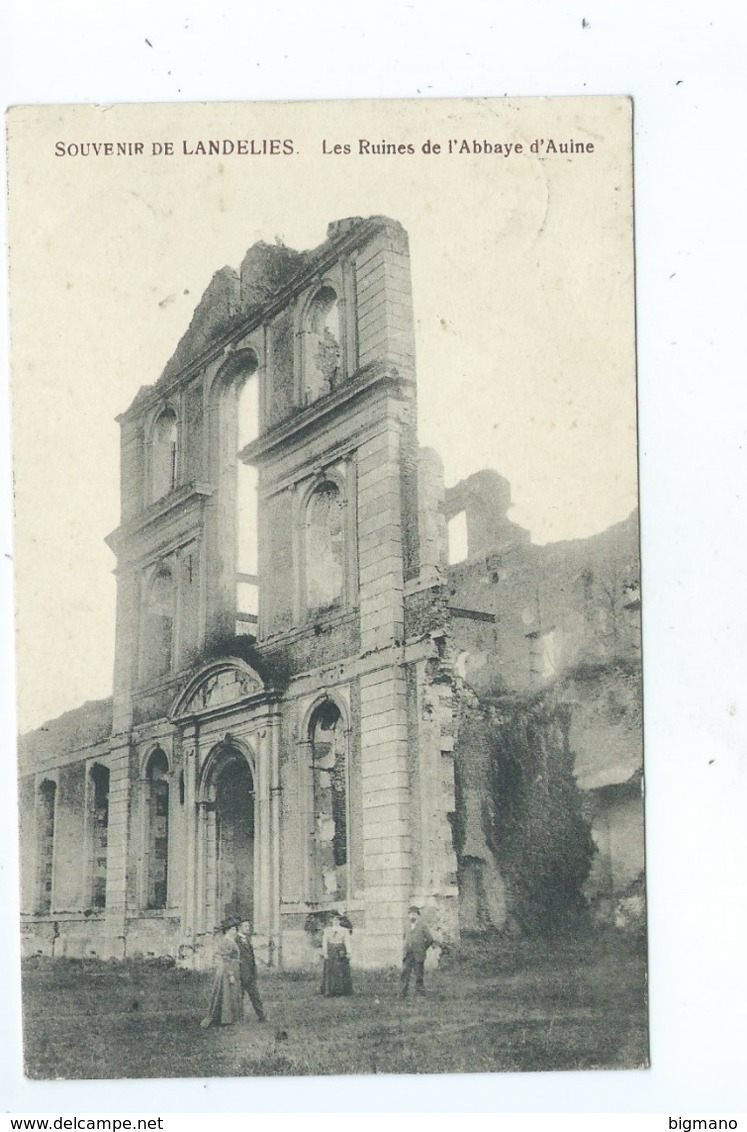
x,y
575,1004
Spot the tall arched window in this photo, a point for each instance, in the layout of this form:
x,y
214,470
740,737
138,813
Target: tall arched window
x,y
324,547
99,833
157,782
164,455
247,566
158,624
233,571
45,834
330,775
323,352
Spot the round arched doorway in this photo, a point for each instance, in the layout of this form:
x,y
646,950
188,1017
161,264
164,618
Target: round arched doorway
x,y
234,838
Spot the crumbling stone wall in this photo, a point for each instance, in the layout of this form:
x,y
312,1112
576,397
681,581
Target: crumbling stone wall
x,y
539,830
483,896
547,637
553,608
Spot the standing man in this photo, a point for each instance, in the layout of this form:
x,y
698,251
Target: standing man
x,y
418,938
248,968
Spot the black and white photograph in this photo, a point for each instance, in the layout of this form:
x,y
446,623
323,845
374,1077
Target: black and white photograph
x,y
327,588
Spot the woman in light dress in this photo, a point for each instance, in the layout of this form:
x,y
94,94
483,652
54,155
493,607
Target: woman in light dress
x,y
226,999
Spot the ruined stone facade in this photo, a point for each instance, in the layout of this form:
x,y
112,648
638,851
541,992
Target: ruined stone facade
x,y
294,652
280,742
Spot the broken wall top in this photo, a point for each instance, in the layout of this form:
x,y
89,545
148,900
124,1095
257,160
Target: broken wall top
x,y
269,277
82,727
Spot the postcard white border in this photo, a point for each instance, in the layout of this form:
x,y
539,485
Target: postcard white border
x,y
683,68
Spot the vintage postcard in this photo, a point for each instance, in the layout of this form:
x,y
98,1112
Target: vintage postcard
x,y
327,583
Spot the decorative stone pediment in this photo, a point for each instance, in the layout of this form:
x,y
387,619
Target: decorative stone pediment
x,y
218,685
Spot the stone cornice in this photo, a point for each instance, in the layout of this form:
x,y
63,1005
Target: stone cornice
x,y
293,428
156,512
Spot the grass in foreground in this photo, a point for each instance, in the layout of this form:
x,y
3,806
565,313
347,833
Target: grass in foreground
x,y
496,1006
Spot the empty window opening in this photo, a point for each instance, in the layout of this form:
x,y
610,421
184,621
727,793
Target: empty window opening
x,y
164,455
324,547
159,625
457,533
158,829
329,763
247,543
99,833
323,354
45,817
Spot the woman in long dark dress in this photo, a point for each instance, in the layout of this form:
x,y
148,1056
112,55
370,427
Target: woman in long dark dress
x,y
226,999
336,980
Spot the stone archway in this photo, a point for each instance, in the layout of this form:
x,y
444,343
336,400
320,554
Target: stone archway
x,y
228,848
231,792
234,839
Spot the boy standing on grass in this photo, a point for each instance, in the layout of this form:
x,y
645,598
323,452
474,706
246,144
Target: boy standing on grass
x,y
418,938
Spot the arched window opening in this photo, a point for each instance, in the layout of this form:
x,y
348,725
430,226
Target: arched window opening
x,y
232,571
45,829
164,455
247,568
158,829
159,625
324,557
100,833
329,765
323,353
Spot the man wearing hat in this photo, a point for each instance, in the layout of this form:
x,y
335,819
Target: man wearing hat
x,y
248,968
418,938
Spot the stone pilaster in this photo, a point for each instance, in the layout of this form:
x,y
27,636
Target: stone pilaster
x,y
381,581
386,800
118,831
